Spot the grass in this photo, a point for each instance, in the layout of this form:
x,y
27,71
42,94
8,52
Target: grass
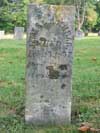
x,y
86,87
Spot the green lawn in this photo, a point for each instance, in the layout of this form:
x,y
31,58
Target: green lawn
x,y
86,87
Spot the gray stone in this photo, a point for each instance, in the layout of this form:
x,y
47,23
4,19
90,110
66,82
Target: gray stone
x,y
18,33
99,33
86,33
49,64
2,33
79,34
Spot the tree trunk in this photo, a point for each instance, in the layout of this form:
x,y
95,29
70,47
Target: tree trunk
x,y
80,13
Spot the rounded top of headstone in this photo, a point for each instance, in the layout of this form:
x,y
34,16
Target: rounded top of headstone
x,y
61,11
44,4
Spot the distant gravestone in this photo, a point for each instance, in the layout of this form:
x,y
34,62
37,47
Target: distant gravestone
x,y
86,33
49,64
99,33
18,33
2,34
79,34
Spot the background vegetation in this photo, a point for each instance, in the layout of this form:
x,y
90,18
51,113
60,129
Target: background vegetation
x,y
14,13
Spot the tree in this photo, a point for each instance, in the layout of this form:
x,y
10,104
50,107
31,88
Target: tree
x,y
97,26
59,2
84,10
3,2
91,19
13,14
80,12
81,7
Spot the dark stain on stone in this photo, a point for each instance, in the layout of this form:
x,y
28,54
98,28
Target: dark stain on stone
x,y
47,25
43,41
51,89
35,42
38,13
41,96
39,25
64,75
53,74
63,86
51,110
49,67
34,32
63,67
47,101
63,107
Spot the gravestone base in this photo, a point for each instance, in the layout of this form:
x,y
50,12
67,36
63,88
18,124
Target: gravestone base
x,y
49,64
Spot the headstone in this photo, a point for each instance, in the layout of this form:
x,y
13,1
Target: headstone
x,y
49,64
86,33
18,33
79,34
2,32
99,33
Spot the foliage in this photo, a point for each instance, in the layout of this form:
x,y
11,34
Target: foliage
x,y
3,3
14,13
90,19
97,26
59,2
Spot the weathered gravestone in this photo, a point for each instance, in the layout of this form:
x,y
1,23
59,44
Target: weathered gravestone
x,y
18,33
2,34
80,34
99,33
49,64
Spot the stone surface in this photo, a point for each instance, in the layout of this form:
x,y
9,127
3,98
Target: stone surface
x,y
99,33
80,34
49,64
2,32
18,33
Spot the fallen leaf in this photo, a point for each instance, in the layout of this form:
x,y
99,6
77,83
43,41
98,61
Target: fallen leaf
x,y
94,130
10,62
94,59
86,124
84,128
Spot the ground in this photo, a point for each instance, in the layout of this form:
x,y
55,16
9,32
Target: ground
x,y
86,87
